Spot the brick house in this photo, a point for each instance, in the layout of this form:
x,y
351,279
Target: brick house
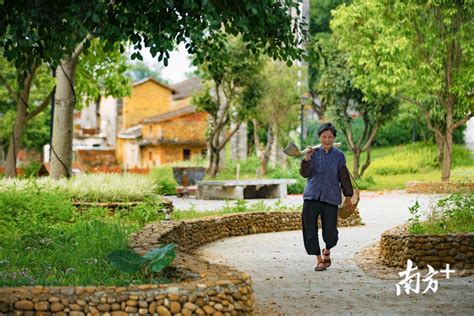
x,y
158,124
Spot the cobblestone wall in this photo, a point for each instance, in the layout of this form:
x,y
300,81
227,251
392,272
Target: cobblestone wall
x,y
215,290
397,246
191,234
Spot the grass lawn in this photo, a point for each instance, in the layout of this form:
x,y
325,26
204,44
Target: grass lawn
x,y
390,169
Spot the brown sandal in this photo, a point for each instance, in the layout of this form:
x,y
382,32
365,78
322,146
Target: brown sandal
x,y
326,258
321,266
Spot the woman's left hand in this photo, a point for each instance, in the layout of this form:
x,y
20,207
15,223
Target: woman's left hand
x,y
348,203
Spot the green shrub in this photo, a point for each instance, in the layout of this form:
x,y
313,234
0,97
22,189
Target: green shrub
x,y
453,214
291,172
92,187
365,182
72,254
45,240
164,180
31,169
20,209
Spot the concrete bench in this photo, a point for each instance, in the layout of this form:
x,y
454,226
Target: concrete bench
x,y
243,189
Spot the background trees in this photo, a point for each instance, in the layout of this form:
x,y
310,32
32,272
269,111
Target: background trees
x,y
234,84
420,52
276,115
56,33
345,102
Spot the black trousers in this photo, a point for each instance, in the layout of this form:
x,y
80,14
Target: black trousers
x,y
312,209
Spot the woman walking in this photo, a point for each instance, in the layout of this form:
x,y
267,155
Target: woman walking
x,y
325,168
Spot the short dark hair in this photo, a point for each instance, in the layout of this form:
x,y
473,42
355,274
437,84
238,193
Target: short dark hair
x,y
327,127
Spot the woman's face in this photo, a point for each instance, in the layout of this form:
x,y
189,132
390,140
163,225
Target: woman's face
x,y
327,139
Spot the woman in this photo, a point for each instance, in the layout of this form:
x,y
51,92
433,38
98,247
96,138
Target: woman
x,y
325,168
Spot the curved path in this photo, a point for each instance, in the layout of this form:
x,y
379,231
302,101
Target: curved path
x,y
286,284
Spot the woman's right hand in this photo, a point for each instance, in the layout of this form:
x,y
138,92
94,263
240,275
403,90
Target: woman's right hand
x,y
309,153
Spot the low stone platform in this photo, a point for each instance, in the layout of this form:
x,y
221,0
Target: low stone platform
x,y
243,189
439,187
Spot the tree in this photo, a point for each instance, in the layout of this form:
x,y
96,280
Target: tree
x,y
98,73
344,100
277,113
234,90
418,51
320,16
57,32
35,81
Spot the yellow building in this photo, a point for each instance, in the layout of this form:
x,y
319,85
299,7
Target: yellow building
x,y
159,125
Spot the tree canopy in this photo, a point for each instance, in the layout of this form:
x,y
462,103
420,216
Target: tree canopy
x,y
419,51
48,31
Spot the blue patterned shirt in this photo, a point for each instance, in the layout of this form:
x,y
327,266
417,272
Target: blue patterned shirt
x,y
326,173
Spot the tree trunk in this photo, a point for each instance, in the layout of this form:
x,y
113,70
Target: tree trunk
x,y
266,152
15,140
213,167
356,164
61,147
366,164
447,158
19,126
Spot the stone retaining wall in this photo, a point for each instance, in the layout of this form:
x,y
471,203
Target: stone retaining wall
x,y
191,234
209,289
216,290
397,246
439,187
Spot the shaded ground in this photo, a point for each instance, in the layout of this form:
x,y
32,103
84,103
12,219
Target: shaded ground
x,y
285,282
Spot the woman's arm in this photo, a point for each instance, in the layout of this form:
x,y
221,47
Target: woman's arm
x,y
345,180
305,168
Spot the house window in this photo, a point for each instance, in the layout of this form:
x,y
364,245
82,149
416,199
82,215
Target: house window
x,y
186,154
151,129
150,155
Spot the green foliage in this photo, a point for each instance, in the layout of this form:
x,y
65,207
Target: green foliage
x,y
232,207
100,73
140,214
453,214
143,267
280,104
44,240
405,49
163,177
93,187
31,169
63,255
21,209
127,261
55,29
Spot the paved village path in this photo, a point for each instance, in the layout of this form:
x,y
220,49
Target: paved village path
x,y
285,282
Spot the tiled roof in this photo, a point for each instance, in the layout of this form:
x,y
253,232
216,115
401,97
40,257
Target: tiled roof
x,y
186,88
171,115
139,82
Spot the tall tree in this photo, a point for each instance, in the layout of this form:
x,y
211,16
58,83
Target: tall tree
x,y
31,94
56,32
344,100
419,51
320,16
234,90
99,73
277,113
